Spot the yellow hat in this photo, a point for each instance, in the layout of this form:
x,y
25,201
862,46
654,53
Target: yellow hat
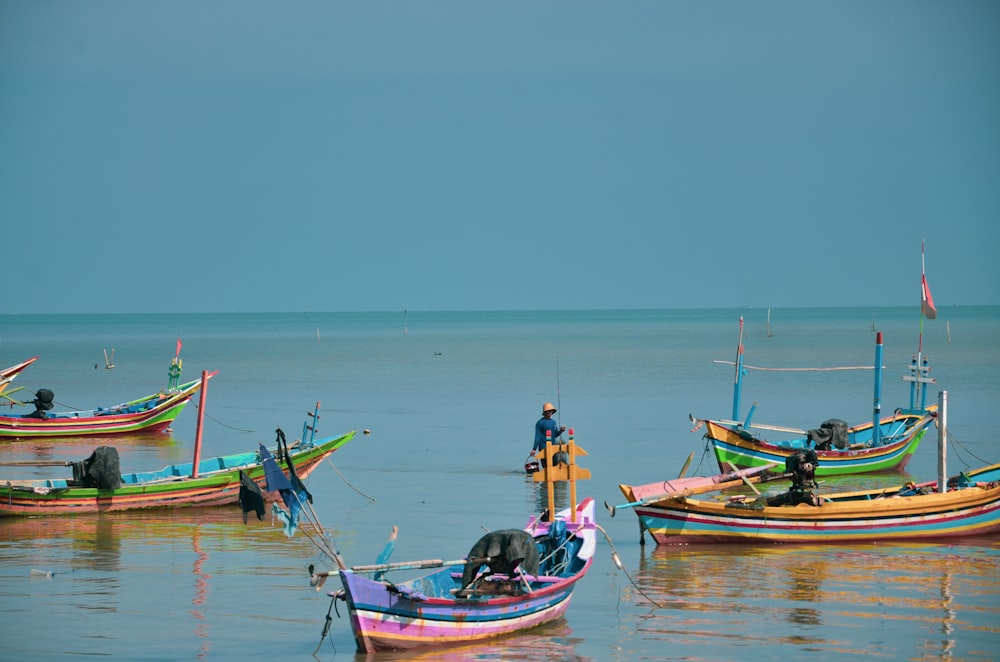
x,y
548,407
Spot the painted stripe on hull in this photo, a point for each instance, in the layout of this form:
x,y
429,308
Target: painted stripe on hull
x,y
209,489
157,419
386,631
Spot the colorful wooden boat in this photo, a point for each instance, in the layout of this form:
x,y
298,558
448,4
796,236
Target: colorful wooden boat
x,y
861,448
969,506
215,483
153,413
900,436
441,609
7,375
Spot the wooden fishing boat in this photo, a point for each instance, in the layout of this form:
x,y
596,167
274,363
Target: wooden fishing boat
x,y
458,603
899,437
7,375
843,449
98,486
966,505
152,413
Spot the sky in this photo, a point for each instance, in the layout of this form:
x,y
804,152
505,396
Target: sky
x,y
249,156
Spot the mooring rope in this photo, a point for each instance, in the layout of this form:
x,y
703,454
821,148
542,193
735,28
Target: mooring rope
x,y
751,367
347,482
215,420
618,562
956,443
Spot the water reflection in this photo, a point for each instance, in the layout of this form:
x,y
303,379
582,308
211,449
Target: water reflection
x,y
200,594
540,494
128,568
793,595
552,641
50,458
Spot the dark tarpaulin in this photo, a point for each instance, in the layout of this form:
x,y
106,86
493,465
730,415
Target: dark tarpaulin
x,y
251,498
831,433
101,470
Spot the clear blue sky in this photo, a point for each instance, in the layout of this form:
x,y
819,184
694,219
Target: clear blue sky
x,y
330,156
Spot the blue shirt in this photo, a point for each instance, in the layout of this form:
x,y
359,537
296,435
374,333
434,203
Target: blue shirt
x,y
541,426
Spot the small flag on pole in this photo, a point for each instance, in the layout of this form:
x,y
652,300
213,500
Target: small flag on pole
x,y
926,300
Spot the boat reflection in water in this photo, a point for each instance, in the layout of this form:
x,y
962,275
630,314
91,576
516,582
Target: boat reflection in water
x,y
551,642
171,580
53,458
856,599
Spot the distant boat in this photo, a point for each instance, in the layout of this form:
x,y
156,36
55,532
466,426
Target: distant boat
x,y
109,362
151,413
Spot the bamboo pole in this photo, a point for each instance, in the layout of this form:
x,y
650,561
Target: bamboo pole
x,y
201,424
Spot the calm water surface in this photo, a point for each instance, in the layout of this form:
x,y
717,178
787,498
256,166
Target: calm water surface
x,y
451,400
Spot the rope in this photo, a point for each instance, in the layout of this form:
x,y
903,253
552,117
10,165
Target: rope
x,y
618,562
347,482
215,420
750,367
955,442
326,625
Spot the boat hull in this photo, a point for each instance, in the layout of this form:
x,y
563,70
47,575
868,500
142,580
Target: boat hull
x,y
154,413
385,618
214,486
846,517
382,621
732,446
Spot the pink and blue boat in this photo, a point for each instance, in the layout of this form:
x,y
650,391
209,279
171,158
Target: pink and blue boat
x,y
441,608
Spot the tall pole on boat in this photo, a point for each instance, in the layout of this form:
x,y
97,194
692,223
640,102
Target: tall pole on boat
x,y
201,424
942,422
927,310
738,382
877,408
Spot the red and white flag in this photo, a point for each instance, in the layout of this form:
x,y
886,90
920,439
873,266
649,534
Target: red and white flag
x,y
926,300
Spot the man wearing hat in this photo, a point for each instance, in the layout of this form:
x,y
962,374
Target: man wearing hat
x,y
546,424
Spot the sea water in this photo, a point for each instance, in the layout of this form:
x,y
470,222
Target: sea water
x,y
445,406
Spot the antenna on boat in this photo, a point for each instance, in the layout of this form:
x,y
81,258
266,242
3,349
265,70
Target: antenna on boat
x,y
877,407
738,383
558,396
919,369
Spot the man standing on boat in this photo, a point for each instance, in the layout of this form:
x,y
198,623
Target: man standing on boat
x,y
546,424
